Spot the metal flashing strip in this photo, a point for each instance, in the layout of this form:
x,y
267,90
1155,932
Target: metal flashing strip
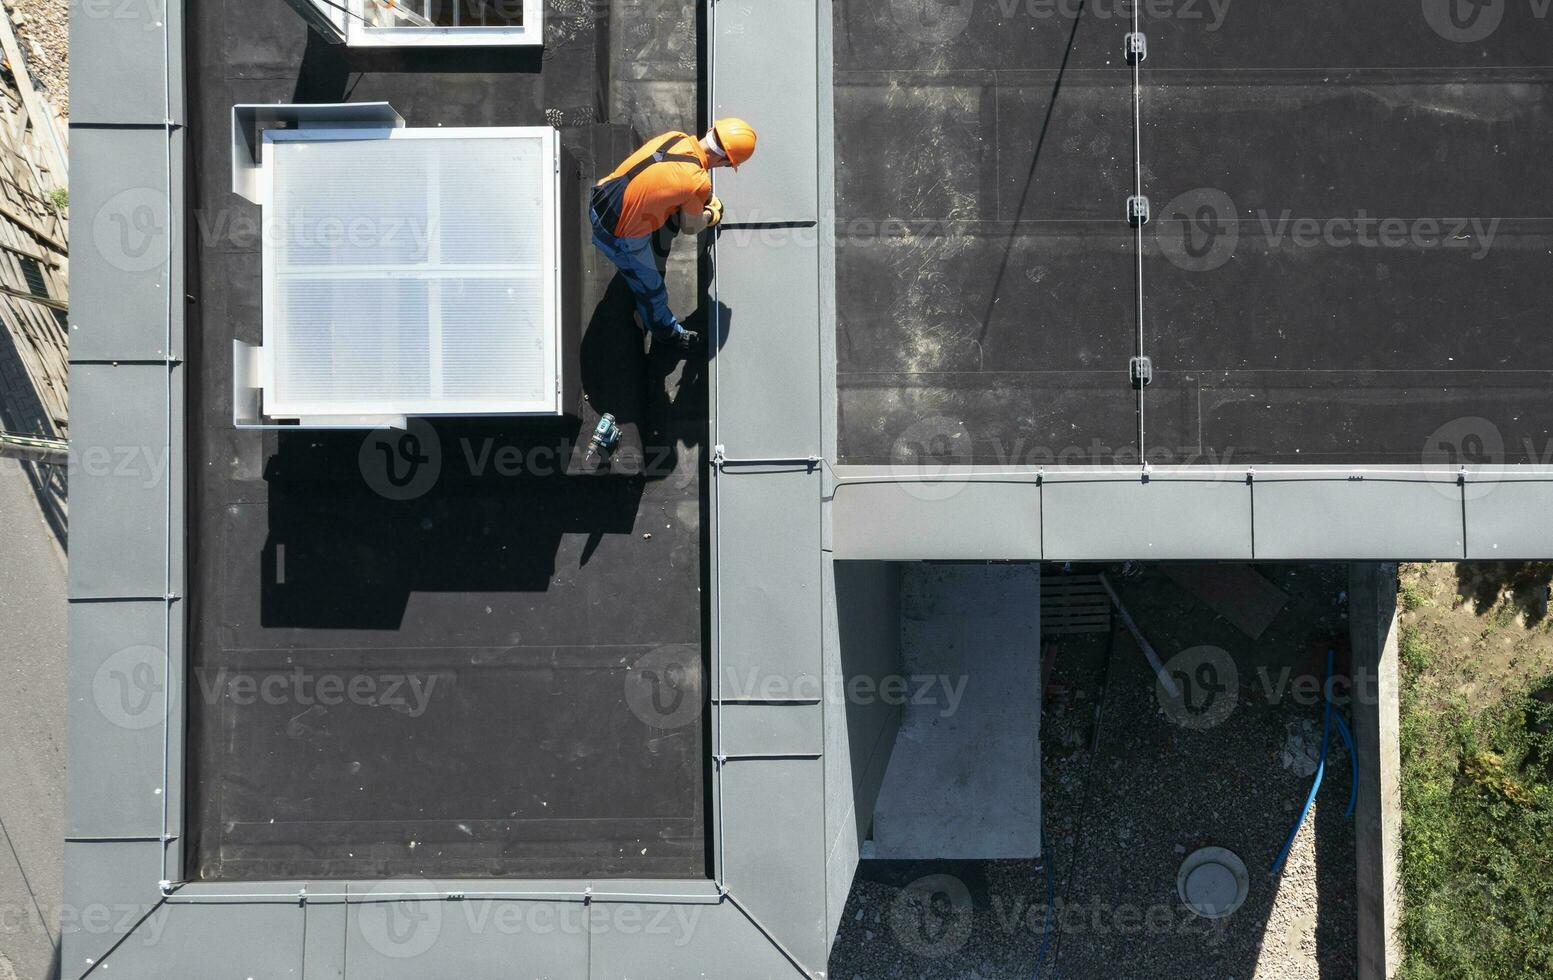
x,y
128,265
130,410
767,557
1186,513
773,50
124,50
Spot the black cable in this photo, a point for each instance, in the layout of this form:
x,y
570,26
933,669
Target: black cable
x,y
342,9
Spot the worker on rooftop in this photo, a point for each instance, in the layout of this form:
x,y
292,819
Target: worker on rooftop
x,y
667,179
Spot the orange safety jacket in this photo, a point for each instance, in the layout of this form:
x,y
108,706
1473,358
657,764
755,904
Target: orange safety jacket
x,y
665,175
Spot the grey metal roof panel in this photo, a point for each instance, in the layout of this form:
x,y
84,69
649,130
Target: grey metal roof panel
x,y
436,938
726,944
120,465
772,729
1089,520
769,543
110,887
255,942
1181,513
119,58
123,285
935,515
117,676
827,217
1310,519
765,66
323,940
775,810
1506,519
768,365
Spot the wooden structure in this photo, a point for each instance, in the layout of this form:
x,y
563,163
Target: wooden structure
x,y
34,278
1074,604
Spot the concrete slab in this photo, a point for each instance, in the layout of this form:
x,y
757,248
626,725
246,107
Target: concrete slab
x,y
964,780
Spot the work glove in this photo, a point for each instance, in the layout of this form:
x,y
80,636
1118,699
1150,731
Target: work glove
x,y
714,212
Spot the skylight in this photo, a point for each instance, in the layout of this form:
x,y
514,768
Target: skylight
x,y
409,272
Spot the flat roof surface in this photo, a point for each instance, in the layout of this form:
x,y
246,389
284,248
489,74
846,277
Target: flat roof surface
x,y
428,674
1348,260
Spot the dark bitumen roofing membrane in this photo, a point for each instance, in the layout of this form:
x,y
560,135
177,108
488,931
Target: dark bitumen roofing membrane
x,y
998,312
489,624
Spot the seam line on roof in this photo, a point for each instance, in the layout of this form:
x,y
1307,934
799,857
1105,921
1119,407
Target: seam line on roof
x,y
786,953
153,127
772,757
99,961
736,225
1462,486
1251,496
83,599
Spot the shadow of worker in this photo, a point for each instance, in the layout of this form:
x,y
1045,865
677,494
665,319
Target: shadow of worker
x,y
656,392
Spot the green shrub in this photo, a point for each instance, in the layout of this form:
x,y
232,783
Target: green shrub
x,y
1412,596
1414,653
1477,819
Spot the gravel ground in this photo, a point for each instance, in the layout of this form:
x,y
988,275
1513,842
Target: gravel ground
x,y
1120,819
43,29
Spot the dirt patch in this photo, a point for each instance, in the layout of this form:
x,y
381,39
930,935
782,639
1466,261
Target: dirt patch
x,y
1474,632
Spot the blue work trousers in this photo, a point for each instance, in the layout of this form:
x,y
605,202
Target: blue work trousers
x,y
634,258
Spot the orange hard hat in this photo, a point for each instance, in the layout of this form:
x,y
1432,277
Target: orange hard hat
x,y
736,137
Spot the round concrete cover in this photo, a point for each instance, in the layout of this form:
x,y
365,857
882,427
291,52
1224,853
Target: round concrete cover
x,y
1212,882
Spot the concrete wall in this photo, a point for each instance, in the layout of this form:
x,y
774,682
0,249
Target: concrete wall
x,y
862,639
1372,612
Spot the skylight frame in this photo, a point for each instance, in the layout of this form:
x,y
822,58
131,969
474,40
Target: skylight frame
x,y
275,403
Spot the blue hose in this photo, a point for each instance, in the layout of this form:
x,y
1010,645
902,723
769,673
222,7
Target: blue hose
x,y
1321,766
1353,757
1046,933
